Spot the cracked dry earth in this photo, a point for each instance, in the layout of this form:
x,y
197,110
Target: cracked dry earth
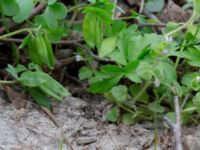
x,y
81,126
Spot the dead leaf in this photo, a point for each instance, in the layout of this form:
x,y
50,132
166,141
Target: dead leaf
x,y
19,100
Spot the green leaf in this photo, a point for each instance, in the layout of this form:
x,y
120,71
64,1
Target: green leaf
x,y
55,34
53,13
103,11
10,7
196,101
105,85
49,92
130,71
50,2
92,1
113,114
191,80
165,71
154,5
144,71
40,97
85,73
92,30
155,107
179,90
10,69
196,9
171,116
56,11
56,87
120,93
118,57
135,89
107,46
20,68
111,69
129,118
26,7
117,26
33,79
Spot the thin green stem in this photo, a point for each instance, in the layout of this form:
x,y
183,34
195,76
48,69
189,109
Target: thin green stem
x,y
187,110
124,18
61,143
125,108
142,91
8,82
178,58
190,21
16,32
81,5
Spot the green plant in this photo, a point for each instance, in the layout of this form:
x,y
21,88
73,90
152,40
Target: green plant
x,y
144,74
39,84
45,28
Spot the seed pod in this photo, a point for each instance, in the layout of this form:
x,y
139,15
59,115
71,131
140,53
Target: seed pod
x,y
42,50
32,50
49,52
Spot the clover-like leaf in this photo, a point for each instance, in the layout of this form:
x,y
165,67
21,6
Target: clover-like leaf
x,y
120,93
113,114
26,7
9,7
156,107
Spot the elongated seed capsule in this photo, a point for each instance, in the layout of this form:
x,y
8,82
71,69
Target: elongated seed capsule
x,y
49,51
32,50
42,50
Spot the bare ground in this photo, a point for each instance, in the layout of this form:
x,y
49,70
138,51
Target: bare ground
x,y
82,126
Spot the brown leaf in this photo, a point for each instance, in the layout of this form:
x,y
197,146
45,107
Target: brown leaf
x,y
19,100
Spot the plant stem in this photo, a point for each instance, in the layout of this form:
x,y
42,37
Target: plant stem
x,y
190,21
142,91
125,108
8,82
16,32
76,7
178,58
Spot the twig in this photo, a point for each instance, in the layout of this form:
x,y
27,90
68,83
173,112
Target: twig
x,y
160,25
92,54
50,115
141,6
62,42
177,126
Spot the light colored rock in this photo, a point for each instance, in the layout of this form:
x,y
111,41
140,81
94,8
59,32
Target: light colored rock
x,y
191,143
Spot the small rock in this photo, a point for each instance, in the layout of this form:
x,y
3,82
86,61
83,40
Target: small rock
x,y
85,140
191,143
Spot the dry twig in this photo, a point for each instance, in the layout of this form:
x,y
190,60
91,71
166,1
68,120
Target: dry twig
x,y
177,126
